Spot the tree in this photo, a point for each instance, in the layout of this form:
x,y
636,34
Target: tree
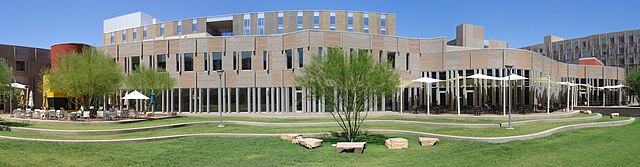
x,y
148,79
85,76
6,77
633,84
348,85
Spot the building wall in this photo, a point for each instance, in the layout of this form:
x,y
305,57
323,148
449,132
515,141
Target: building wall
x,y
35,60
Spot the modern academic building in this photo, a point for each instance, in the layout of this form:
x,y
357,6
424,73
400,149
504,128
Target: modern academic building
x,y
261,52
26,63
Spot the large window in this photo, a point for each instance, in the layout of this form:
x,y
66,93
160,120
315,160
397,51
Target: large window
x,y
332,21
235,60
320,53
265,60
179,27
407,61
350,22
216,57
280,22
21,66
194,26
261,24
112,37
124,36
162,30
383,24
135,62
188,62
205,56
161,61
391,59
144,32
246,25
246,60
177,62
300,57
366,23
288,55
135,34
299,21
316,20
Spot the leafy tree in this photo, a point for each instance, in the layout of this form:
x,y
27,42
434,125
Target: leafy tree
x,y
348,84
6,75
633,83
85,76
147,79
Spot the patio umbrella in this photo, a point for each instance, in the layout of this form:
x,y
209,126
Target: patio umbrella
x,y
569,85
428,81
18,85
30,103
609,87
512,77
135,95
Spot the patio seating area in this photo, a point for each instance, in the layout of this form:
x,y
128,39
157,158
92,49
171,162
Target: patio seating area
x,y
88,115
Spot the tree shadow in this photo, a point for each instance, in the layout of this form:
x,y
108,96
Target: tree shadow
x,y
371,139
14,124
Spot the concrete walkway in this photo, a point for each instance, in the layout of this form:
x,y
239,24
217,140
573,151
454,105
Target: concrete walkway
x,y
450,137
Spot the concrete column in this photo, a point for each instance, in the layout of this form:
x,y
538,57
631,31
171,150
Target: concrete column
x,y
208,100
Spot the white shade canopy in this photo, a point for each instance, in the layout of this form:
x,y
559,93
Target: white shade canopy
x,y
18,85
426,80
611,87
135,95
566,83
513,77
482,76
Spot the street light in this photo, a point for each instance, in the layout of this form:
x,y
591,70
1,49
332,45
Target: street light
x,y
220,88
509,67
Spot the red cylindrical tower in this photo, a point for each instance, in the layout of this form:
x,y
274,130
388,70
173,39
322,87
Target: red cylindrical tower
x,y
63,48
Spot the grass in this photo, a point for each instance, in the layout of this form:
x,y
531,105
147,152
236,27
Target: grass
x,y
481,132
610,146
279,120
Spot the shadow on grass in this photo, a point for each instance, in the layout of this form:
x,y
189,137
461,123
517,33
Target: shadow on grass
x,y
14,124
371,139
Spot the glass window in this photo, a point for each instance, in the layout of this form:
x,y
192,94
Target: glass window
x,y
299,21
288,55
316,21
217,61
246,60
112,37
194,26
332,21
124,36
280,31
144,32
188,62
21,66
206,61
260,26
407,61
320,53
177,62
366,22
391,59
630,38
621,39
235,60
135,33
162,29
611,40
300,57
179,27
265,60
280,23
247,26
135,63
621,50
161,61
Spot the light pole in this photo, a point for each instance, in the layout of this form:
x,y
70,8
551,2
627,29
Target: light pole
x,y
220,88
509,67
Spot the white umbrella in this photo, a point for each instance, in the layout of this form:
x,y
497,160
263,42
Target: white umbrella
x,y
604,94
513,77
482,76
30,103
429,81
18,85
135,95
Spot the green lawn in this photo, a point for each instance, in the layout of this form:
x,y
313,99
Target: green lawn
x,y
610,146
481,132
279,120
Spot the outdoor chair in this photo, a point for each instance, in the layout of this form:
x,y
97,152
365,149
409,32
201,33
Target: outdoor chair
x,y
52,114
100,115
86,115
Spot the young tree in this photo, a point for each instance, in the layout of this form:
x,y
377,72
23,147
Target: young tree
x,y
85,76
6,77
633,83
148,79
348,84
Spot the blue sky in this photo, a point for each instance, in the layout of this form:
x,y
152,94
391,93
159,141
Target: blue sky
x,y
521,23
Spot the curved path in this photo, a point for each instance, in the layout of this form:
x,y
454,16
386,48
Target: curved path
x,y
271,124
79,123
450,137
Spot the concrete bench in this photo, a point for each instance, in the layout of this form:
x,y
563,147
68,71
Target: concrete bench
x,y
356,147
425,141
310,142
615,115
396,143
290,136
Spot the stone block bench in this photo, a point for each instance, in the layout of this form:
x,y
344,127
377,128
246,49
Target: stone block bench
x,y
310,142
425,141
396,143
290,136
355,147
615,115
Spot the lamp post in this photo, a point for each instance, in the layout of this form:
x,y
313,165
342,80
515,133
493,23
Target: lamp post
x,y
509,67
220,88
